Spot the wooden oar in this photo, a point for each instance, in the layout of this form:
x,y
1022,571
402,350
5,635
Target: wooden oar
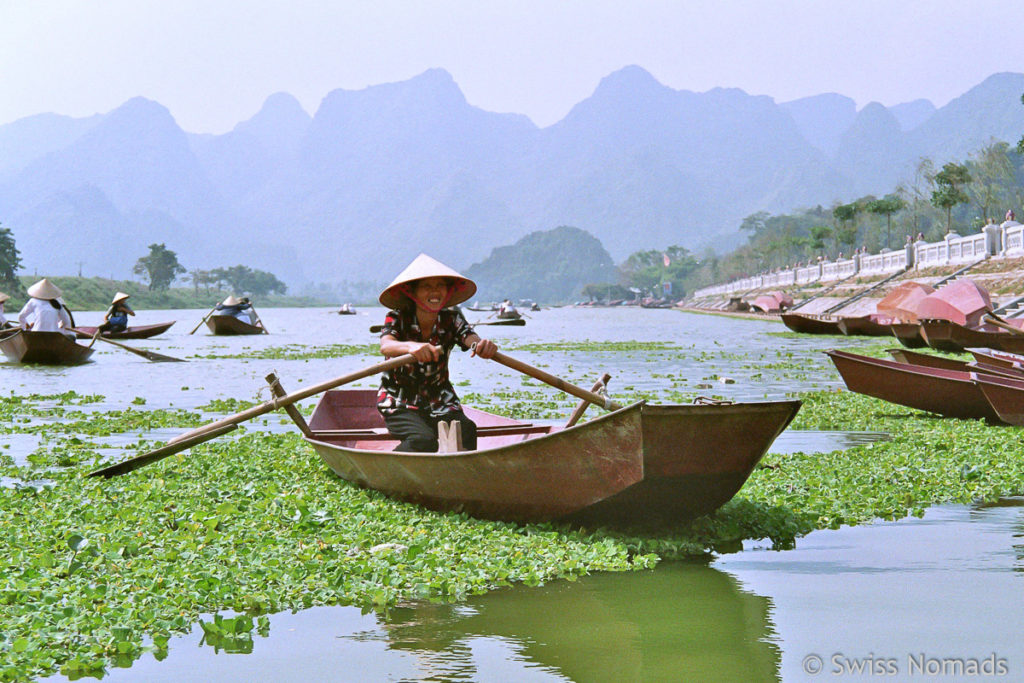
x,y
204,319
148,355
556,382
259,320
583,405
215,429
1000,322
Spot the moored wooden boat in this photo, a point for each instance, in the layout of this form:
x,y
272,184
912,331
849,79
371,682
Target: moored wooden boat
x,y
1005,395
908,334
946,363
946,335
871,325
45,348
634,464
230,325
136,332
945,392
1003,359
810,324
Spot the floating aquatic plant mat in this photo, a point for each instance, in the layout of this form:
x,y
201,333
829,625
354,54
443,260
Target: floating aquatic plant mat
x,y
96,571
297,352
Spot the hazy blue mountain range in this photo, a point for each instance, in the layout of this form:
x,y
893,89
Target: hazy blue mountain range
x,y
375,176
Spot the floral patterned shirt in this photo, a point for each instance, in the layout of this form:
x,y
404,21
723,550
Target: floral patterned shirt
x,y
423,386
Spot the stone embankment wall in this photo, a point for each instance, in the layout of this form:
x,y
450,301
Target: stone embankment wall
x,y
832,282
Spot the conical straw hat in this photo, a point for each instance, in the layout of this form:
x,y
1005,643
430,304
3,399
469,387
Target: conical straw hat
x,y
3,297
423,266
231,301
44,289
120,296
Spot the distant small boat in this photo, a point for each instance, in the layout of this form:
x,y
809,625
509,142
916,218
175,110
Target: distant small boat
x,y
230,325
44,348
346,309
137,332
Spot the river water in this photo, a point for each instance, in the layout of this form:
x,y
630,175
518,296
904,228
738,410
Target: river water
x,y
918,599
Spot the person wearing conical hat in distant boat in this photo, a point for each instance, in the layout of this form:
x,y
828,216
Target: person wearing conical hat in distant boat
x,y
116,319
3,319
238,308
45,311
423,321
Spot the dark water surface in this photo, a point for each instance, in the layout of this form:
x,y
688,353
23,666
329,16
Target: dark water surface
x,y
945,586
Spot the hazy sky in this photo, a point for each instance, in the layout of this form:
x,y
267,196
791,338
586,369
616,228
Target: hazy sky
x,y
213,62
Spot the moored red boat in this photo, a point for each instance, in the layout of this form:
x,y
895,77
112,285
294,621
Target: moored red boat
x,y
637,463
998,358
136,332
230,325
44,348
872,325
946,363
908,334
1005,395
947,392
946,335
810,324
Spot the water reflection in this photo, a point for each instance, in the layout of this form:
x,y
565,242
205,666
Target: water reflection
x,y
681,622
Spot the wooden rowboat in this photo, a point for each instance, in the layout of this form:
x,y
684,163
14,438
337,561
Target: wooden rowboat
x,y
637,463
1002,359
137,332
947,392
946,363
229,324
946,335
908,334
45,348
1005,395
810,324
865,326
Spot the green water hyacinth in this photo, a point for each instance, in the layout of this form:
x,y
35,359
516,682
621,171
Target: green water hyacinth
x,y
97,572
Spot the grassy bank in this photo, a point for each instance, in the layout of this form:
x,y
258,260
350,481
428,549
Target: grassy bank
x,y
95,293
97,571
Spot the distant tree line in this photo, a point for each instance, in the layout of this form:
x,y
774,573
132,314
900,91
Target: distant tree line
x,y
161,267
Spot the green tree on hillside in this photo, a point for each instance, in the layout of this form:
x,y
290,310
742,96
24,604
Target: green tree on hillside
x,y
887,206
949,191
10,258
244,280
160,266
846,231
991,174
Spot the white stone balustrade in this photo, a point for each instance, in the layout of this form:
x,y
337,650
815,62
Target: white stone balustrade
x,y
994,241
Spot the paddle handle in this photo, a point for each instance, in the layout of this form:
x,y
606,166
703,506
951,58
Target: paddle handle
x,y
203,320
582,406
259,320
999,322
556,382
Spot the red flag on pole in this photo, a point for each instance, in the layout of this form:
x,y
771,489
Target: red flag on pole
x,y
665,259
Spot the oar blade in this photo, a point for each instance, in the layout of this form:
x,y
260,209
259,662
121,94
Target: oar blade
x,y
132,464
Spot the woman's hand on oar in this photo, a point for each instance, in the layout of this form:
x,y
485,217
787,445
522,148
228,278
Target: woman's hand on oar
x,y
214,429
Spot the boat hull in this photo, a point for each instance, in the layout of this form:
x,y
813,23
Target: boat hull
x,y
864,326
641,463
909,335
945,335
946,392
1005,395
230,325
44,348
809,324
137,332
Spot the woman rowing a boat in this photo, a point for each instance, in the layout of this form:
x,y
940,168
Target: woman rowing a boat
x,y
45,311
116,319
422,322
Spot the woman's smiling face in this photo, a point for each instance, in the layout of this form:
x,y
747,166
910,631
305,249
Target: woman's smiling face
x,y
431,292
